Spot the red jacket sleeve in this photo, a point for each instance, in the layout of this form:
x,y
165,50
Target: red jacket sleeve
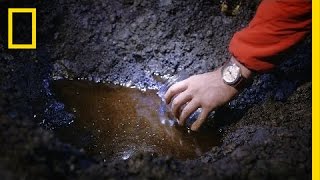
x,y
277,26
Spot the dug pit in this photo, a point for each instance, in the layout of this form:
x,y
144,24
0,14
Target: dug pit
x,y
117,122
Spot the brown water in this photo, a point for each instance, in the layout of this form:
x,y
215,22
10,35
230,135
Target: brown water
x,y
117,122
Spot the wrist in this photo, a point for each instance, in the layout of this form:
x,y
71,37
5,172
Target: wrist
x,y
245,72
235,74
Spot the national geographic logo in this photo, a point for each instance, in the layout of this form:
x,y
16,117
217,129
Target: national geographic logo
x,y
21,26
22,11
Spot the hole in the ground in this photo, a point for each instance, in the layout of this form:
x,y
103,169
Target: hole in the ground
x,y
117,122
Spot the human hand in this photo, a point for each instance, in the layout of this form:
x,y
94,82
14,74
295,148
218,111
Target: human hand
x,y
206,91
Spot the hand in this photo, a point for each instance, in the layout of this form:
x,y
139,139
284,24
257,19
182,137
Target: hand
x,y
206,91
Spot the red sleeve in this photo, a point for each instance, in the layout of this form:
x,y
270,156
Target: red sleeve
x,y
277,26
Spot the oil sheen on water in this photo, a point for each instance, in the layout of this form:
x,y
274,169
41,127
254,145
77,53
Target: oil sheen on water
x,y
117,122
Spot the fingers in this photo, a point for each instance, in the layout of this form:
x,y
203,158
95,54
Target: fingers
x,y
174,90
191,107
202,117
178,101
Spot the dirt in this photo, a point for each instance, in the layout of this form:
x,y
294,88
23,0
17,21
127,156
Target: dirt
x,y
266,130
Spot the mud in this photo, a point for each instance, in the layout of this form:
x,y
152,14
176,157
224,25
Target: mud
x,y
266,130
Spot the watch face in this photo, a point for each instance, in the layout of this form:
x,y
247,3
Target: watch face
x,y
231,74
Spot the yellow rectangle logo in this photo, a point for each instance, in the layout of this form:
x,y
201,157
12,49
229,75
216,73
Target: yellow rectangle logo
x,y
34,28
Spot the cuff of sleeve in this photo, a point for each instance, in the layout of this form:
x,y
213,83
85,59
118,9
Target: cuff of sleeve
x,y
252,63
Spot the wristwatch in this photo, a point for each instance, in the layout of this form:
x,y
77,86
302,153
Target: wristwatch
x,y
231,74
